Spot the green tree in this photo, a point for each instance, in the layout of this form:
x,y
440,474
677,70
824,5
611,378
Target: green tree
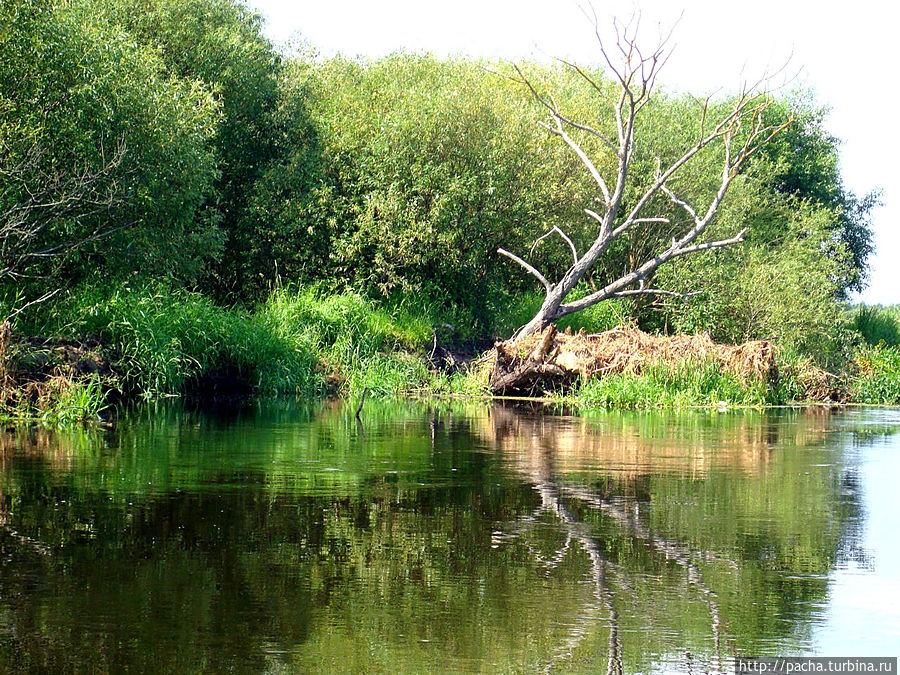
x,y
104,159
406,174
219,45
782,290
288,225
803,163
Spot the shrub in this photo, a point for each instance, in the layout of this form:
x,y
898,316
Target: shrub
x,y
89,119
878,375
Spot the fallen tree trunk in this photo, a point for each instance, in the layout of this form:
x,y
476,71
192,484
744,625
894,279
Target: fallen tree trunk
x,y
548,360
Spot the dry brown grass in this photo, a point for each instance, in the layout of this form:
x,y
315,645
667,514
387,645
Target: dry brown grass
x,y
628,350
817,384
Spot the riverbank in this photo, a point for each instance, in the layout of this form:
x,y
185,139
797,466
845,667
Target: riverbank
x,y
164,343
146,343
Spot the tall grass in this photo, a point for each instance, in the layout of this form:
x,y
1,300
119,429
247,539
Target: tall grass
x,y
58,400
77,400
877,324
875,377
163,340
300,341
308,342
358,344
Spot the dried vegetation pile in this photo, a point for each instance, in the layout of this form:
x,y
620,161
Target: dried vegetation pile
x,y
817,384
546,360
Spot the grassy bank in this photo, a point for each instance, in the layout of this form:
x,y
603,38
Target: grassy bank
x,y
165,342
126,343
877,376
875,372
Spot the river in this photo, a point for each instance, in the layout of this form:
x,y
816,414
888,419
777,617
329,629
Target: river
x,y
292,538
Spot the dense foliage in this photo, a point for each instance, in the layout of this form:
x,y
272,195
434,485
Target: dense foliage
x,y
405,175
169,141
218,44
99,146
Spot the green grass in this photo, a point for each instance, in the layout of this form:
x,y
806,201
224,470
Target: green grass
x,y
297,342
304,341
58,401
359,344
878,325
163,340
682,385
81,401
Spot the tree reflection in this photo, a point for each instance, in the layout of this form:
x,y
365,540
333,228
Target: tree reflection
x,y
443,537
627,478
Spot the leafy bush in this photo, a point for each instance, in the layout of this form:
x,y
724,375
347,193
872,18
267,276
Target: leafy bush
x,y
783,291
91,120
878,375
219,45
404,176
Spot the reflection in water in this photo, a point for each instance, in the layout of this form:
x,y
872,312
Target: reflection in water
x,y
429,538
640,467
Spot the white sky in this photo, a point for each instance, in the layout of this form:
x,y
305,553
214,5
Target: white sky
x,y
847,53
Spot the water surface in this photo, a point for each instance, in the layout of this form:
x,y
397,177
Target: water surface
x,y
444,538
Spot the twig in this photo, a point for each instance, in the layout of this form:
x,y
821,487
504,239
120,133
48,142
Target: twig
x,y
362,400
44,297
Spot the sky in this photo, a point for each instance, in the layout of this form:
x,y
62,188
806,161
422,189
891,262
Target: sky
x,y
846,54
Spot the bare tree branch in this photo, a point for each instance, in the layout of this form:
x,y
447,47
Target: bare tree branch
x,y
681,203
737,239
37,301
562,234
37,197
540,277
741,130
582,155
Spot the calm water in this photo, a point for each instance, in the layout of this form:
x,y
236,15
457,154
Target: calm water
x,y
448,539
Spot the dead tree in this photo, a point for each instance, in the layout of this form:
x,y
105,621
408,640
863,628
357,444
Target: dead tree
x,y
742,129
